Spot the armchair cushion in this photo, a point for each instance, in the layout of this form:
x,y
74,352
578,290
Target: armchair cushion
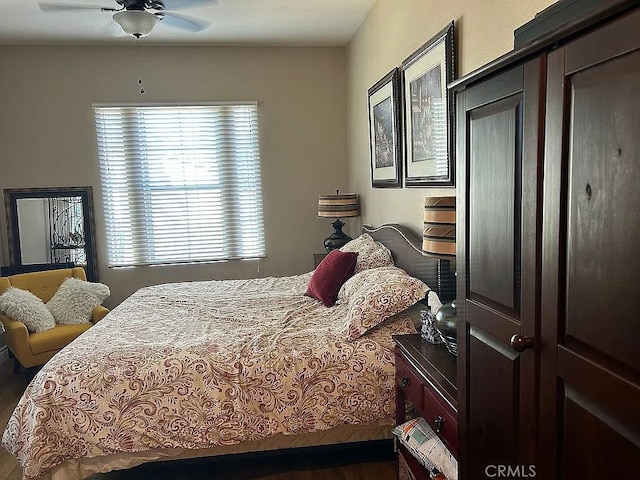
x,y
55,339
75,300
98,314
25,307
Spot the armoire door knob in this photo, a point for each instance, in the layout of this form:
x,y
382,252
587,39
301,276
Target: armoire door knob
x,y
520,343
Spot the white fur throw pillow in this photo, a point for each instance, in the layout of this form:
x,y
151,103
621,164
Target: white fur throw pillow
x,y
25,307
75,300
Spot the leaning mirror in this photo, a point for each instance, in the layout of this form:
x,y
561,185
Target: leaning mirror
x,y
51,226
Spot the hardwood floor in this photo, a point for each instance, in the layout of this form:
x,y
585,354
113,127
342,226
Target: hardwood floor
x,y
11,388
375,463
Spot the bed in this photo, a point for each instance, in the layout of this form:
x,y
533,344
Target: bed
x,y
185,370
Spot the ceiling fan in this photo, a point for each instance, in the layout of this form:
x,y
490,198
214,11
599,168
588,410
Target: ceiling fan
x,y
139,17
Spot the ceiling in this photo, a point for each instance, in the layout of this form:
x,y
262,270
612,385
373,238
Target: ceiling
x,y
232,22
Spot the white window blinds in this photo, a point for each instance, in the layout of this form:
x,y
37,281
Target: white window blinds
x,y
180,183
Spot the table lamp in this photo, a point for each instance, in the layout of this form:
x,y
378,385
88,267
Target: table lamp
x,y
439,232
337,206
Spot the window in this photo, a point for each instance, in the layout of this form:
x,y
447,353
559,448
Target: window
x,y
180,183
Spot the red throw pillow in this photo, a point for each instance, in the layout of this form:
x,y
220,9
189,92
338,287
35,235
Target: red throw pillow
x,y
335,269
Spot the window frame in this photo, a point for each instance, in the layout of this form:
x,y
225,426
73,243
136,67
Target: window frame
x,y
232,183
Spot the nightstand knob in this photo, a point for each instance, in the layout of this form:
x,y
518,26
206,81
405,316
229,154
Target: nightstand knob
x,y
520,343
439,423
405,381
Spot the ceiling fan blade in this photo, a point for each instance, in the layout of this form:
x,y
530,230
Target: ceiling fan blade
x,y
65,7
182,21
181,4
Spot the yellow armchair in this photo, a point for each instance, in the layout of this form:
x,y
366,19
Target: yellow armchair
x,y
33,349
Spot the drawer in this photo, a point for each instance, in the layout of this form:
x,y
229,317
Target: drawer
x,y
440,416
410,383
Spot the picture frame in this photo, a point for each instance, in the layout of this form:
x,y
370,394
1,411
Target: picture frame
x,y
385,149
429,113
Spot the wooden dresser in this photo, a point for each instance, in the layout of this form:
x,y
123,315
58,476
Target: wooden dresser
x,y
548,229
426,378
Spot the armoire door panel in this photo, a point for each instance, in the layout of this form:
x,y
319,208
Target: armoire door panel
x,y
599,451
499,324
603,285
493,403
598,385
494,203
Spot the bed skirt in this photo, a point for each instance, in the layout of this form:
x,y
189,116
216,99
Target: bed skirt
x,y
77,469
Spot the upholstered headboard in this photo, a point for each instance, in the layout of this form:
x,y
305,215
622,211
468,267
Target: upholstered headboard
x,y
406,248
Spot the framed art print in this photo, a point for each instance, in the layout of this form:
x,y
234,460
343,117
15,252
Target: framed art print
x,y
428,113
384,132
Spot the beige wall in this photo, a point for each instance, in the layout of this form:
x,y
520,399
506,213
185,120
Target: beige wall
x,y
47,135
391,32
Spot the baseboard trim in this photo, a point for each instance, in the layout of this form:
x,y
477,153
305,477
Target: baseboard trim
x,y
4,354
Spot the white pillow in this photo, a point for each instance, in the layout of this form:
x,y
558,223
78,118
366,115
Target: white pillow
x,y
75,300
371,254
25,307
376,294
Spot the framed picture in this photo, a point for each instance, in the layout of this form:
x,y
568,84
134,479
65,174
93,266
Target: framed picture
x,y
428,124
384,132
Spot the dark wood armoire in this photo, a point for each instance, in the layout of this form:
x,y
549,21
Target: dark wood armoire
x,y
548,287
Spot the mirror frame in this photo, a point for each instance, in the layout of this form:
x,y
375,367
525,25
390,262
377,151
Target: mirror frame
x,y
11,197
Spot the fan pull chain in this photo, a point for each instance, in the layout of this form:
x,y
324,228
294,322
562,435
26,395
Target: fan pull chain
x,y
139,62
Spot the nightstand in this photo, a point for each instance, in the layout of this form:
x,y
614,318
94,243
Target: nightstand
x,y
426,378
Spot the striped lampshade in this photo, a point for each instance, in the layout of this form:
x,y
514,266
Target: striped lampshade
x,y
439,233
340,205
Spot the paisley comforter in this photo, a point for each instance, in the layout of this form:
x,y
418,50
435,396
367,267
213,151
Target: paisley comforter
x,y
199,364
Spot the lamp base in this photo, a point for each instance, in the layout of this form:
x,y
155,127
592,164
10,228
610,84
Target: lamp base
x,y
338,238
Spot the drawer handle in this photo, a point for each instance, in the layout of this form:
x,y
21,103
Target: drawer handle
x,y
439,424
405,381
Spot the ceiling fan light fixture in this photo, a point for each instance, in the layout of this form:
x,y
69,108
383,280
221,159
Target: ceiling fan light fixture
x,y
135,22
